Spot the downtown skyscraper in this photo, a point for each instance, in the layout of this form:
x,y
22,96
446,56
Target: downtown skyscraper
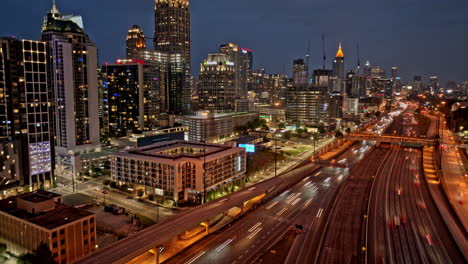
x,y
72,67
25,127
135,42
172,36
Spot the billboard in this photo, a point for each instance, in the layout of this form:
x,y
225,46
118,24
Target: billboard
x,y
248,147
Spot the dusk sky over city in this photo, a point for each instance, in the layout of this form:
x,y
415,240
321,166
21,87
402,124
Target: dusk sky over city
x,y
233,132
420,37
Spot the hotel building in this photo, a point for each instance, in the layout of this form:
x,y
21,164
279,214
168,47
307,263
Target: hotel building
x,y
179,170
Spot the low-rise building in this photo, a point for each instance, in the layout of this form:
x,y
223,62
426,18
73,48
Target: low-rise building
x,y
32,219
180,170
210,126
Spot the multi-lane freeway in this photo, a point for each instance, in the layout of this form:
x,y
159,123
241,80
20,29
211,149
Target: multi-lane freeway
x,y
404,224
305,203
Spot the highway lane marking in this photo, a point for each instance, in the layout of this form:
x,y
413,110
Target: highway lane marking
x,y
254,233
318,173
319,213
284,193
271,205
307,202
241,256
296,201
222,246
293,198
196,257
255,226
305,179
282,211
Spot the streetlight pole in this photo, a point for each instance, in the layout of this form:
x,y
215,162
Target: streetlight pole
x,y
276,158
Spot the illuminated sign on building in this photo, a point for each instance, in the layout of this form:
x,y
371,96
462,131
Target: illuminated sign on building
x,y
250,148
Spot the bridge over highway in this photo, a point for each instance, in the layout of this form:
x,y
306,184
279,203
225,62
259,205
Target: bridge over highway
x,y
411,141
151,238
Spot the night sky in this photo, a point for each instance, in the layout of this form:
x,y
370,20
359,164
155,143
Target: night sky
x,y
421,37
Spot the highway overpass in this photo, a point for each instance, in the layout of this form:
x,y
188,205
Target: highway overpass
x,y
392,139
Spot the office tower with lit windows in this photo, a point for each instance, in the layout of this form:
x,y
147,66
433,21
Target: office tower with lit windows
x,y
377,72
417,84
299,73
367,69
242,59
306,105
433,84
132,90
73,82
26,139
172,76
338,64
172,36
135,42
216,88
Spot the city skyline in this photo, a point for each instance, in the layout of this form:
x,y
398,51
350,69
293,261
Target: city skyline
x,y
420,30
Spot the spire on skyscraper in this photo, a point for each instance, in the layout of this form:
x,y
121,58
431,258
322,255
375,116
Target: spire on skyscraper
x,y
54,9
339,53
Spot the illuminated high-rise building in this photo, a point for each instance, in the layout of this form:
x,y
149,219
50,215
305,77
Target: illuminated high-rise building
x,y
132,89
299,73
135,42
338,64
72,58
172,36
242,59
216,88
26,139
433,84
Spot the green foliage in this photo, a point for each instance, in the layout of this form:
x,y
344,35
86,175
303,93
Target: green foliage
x,y
287,135
106,182
140,193
151,197
41,255
348,130
281,125
124,188
25,259
113,184
338,134
3,248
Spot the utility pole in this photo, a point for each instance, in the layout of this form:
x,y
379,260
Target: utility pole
x,y
276,158
204,161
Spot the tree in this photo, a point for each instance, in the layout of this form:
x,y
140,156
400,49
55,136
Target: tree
x,y
113,185
287,135
25,259
140,193
338,134
124,187
3,248
348,130
41,255
377,114
281,125
106,182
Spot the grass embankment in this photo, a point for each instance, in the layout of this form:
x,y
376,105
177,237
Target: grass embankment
x,y
295,152
424,123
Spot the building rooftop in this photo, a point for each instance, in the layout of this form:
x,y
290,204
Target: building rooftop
x,y
206,115
59,215
176,150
